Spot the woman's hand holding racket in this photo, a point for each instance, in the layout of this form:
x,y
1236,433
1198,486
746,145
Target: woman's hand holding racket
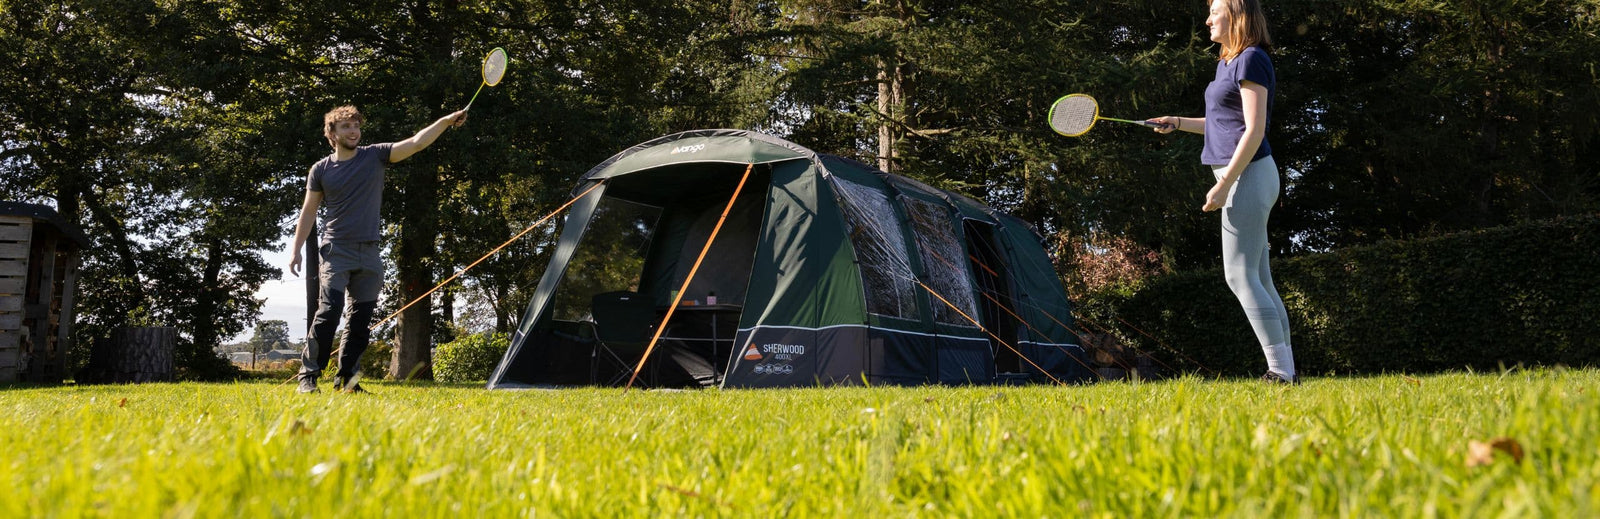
x,y
1165,124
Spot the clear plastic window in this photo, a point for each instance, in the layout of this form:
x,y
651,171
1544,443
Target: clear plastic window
x,y
880,249
944,260
609,258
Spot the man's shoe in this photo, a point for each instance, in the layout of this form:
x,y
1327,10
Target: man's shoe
x,y
308,384
1274,378
350,385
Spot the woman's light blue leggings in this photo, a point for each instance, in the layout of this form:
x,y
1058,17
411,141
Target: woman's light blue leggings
x,y
1244,250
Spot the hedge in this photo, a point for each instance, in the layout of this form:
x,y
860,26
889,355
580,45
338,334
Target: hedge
x,y
1527,294
469,358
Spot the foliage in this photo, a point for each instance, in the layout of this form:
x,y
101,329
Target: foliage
x,y
470,358
1390,446
1506,296
1094,264
1402,118
375,362
204,366
272,334
117,116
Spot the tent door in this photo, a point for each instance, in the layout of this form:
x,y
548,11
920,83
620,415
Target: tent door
x,y
696,344
989,271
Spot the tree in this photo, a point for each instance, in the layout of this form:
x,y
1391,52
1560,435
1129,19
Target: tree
x,y
113,111
1406,118
270,335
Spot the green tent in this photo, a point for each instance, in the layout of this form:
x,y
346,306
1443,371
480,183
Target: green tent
x,y
824,271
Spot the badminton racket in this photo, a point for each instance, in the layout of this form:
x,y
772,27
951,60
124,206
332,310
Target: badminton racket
x,y
494,68
1075,114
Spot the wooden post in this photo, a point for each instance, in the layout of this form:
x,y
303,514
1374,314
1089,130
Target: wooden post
x,y
69,286
40,348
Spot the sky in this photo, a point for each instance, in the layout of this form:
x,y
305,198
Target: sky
x,y
285,297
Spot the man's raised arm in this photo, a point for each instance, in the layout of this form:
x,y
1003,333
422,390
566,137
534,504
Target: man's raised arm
x,y
406,148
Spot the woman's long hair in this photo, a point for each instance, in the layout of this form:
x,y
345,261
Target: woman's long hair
x,y
1247,27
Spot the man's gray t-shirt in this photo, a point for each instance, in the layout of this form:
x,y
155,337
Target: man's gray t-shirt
x,y
352,190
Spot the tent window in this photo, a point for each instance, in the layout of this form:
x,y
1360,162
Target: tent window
x,y
610,258
880,249
944,260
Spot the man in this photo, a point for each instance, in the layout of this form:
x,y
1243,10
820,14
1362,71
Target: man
x,y
350,181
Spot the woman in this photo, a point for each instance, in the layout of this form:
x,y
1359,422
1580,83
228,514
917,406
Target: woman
x,y
1238,109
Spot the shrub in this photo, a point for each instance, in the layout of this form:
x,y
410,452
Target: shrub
x,y
375,361
469,358
1526,294
203,365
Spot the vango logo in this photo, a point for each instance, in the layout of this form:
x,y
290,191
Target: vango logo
x,y
692,148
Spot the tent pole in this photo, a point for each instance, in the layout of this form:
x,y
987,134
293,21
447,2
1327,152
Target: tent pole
x,y
684,289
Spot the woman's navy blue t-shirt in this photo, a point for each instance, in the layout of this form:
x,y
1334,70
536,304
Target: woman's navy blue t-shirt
x,y
1225,109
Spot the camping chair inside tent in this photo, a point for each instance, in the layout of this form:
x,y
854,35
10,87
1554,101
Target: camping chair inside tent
x,y
622,324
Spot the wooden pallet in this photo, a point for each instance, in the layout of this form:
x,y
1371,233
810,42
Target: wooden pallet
x,y
15,236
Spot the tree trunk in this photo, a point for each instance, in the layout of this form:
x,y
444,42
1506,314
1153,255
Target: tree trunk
x,y
205,323
891,91
419,229
889,103
132,355
413,356
502,314
447,307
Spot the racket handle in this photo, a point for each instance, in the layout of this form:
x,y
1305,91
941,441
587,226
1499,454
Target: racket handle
x,y
1148,124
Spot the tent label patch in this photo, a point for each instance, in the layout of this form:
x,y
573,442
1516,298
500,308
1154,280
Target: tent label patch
x,y
687,149
783,351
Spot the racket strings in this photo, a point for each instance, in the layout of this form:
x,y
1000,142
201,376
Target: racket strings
x,y
1074,115
494,67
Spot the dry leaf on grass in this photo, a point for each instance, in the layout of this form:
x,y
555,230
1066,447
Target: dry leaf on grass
x,y
1480,453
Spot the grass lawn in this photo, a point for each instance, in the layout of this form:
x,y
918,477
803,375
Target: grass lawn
x,y
1382,446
